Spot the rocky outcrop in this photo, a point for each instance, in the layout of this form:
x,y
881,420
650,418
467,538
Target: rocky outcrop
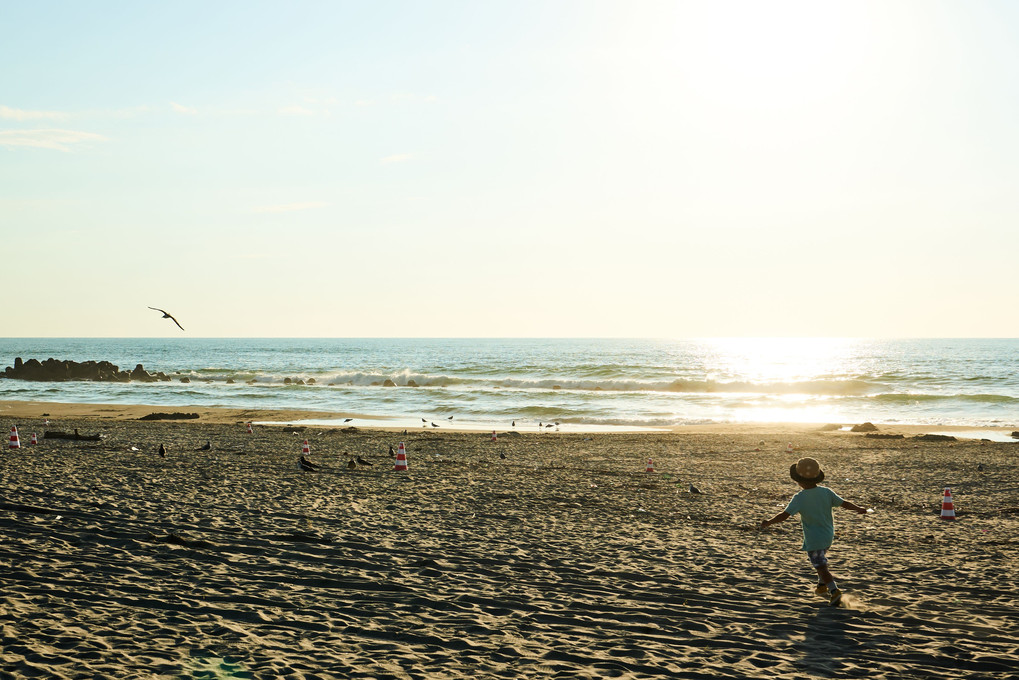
x,y
53,370
864,427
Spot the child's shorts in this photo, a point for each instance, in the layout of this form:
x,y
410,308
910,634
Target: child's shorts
x,y
817,558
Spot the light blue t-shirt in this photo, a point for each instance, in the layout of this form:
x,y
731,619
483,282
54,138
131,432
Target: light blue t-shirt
x,y
814,508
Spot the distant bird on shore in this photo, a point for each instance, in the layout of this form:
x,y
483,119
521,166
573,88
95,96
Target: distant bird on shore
x,y
167,315
502,455
694,489
980,468
207,446
391,452
347,420
362,461
434,425
162,451
351,465
307,465
450,418
513,424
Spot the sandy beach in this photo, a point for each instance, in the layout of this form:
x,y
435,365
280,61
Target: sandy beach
x,y
537,555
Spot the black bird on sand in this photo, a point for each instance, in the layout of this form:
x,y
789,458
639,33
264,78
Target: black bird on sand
x,y
694,489
362,461
351,465
167,315
207,446
450,418
434,425
162,451
502,455
391,452
307,465
347,420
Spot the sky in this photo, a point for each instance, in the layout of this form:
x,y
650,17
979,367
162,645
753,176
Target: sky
x,y
509,169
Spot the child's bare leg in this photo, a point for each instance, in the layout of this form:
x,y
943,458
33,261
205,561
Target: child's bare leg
x,y
824,576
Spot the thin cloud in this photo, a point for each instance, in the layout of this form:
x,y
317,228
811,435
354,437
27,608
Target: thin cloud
x,y
290,207
186,110
396,158
57,140
295,111
8,113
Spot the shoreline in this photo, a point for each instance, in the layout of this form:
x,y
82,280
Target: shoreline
x,y
218,415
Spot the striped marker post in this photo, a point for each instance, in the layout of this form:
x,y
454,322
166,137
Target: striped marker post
x,y
947,506
401,459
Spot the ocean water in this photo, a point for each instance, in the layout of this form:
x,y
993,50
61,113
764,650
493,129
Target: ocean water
x,y
582,384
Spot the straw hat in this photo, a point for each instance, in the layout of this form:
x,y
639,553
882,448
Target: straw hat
x,y
806,470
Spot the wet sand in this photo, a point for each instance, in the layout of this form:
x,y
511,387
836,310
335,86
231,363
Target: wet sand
x,y
562,559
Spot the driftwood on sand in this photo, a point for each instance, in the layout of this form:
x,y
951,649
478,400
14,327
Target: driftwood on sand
x,y
56,434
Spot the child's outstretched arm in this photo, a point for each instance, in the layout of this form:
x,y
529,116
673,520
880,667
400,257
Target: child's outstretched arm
x,y
780,517
854,507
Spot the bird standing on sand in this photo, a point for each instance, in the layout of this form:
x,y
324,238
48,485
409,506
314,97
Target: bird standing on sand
x,y
167,315
434,425
307,465
391,452
351,465
362,461
162,451
694,489
502,455
347,420
450,418
207,446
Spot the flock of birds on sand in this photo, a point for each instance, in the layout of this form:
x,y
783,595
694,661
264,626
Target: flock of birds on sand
x,y
310,466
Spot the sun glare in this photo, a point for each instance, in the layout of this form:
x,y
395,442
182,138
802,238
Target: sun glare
x,y
780,360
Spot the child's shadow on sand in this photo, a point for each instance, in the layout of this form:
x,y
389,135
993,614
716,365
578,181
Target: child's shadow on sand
x,y
826,646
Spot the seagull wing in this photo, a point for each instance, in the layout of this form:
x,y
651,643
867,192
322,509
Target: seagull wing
x,y
167,315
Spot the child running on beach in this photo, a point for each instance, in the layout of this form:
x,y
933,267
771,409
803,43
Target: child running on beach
x,y
814,505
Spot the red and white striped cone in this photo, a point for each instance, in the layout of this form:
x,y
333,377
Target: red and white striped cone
x,y
789,449
15,442
401,459
947,506
33,440
305,449
249,428
494,437
650,466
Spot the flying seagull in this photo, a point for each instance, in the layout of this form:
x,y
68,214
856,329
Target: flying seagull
x,y
167,315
